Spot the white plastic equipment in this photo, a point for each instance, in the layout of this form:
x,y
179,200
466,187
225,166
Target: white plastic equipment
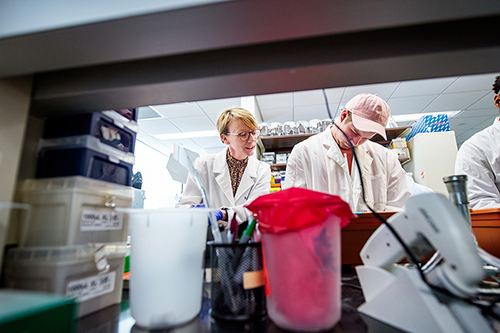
x,y
397,295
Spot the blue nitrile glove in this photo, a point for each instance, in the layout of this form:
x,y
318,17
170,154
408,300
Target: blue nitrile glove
x,y
198,206
219,215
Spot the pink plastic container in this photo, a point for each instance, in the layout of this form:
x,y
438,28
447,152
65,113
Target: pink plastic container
x,y
301,246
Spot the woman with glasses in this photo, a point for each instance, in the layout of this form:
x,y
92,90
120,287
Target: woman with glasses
x,y
232,178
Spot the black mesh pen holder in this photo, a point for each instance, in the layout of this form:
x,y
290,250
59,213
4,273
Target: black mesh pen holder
x,y
238,292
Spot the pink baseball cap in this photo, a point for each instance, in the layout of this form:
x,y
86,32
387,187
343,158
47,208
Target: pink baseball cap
x,y
369,113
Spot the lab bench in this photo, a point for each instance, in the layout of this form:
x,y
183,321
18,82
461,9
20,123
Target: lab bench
x,y
118,319
485,226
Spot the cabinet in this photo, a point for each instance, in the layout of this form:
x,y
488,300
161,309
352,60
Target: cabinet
x,y
285,143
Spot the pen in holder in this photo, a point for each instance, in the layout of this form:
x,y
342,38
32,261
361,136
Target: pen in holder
x,y
238,292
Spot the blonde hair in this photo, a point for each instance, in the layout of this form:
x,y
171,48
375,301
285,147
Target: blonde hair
x,y
227,115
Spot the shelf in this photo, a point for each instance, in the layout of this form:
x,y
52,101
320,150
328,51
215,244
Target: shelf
x,y
288,141
283,141
391,133
278,166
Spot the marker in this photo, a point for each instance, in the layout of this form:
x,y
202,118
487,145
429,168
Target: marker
x,y
247,234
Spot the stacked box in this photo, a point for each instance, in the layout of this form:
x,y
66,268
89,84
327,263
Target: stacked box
x,y
268,157
430,123
74,210
84,155
97,145
91,275
109,127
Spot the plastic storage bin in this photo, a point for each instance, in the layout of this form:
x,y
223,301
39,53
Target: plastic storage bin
x,y
74,210
90,274
86,156
111,130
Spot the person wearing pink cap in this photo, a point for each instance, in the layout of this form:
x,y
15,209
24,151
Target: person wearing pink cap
x,y
325,163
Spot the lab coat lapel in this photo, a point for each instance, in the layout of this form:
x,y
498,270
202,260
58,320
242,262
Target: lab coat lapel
x,y
221,175
333,150
247,180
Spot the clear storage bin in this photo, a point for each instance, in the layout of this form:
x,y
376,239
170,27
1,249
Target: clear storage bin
x,y
75,210
90,274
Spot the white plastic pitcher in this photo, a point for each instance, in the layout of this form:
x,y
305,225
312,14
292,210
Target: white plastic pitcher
x,y
166,265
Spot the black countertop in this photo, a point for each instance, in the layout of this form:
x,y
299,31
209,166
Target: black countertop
x,y
117,318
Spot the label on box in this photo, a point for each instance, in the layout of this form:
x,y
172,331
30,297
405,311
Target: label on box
x,y
91,287
93,220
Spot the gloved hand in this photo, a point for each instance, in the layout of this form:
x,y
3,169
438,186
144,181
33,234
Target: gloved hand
x,y
198,206
219,215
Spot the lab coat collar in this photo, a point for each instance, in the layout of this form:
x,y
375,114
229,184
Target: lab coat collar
x,y
221,175
364,159
496,123
332,148
248,179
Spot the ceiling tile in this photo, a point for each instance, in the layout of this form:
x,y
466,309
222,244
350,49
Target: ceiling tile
x,y
214,150
309,112
310,97
179,110
145,112
459,122
158,146
383,90
334,110
485,102
144,137
489,121
454,101
273,101
407,105
472,82
469,113
206,142
423,87
188,143
196,123
215,106
334,95
277,115
157,126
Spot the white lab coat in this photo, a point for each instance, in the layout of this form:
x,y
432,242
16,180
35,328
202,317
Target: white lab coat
x,y
479,159
318,164
214,174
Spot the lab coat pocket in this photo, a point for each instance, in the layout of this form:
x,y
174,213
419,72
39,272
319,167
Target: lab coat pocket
x,y
378,195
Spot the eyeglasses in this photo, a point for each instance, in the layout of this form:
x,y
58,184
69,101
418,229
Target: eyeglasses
x,y
244,136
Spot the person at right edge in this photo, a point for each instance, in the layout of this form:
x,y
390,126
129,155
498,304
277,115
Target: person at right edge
x,y
325,162
479,159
